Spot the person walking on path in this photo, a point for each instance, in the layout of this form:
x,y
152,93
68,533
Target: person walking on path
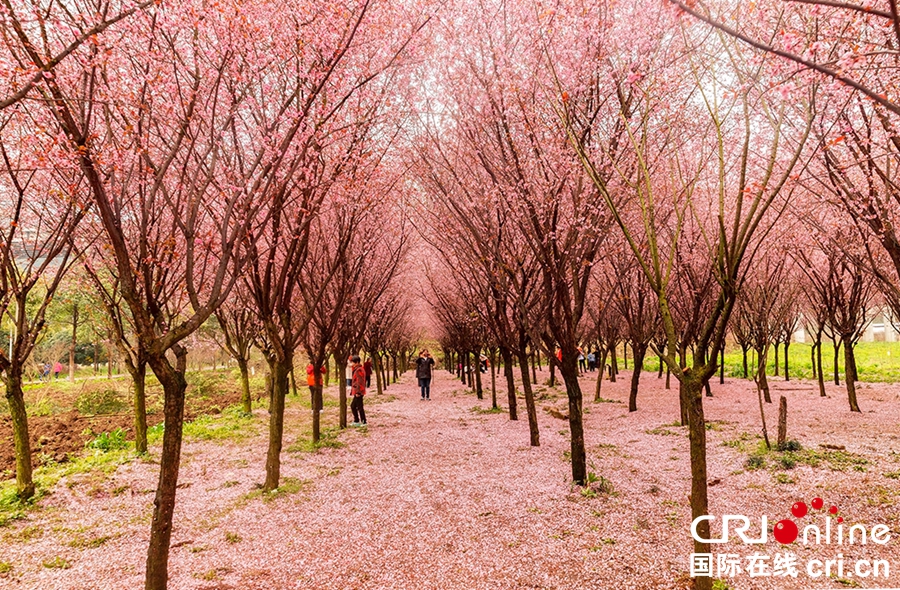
x,y
423,373
357,391
368,367
57,369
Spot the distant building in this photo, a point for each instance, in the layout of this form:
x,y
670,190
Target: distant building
x,y
882,328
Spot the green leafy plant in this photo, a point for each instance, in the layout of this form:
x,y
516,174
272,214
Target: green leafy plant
x,y
109,441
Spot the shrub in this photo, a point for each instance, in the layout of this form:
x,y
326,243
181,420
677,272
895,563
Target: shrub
x,y
105,401
791,446
787,461
755,462
109,441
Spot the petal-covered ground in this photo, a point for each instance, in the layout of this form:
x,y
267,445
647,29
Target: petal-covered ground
x,y
444,494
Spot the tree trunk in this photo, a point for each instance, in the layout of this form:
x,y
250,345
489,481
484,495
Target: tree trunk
x,y
506,354
552,375
722,366
837,349
269,389
849,375
819,364
777,360
96,358
639,352
479,393
279,370
787,364
782,422
625,354
16,399
534,378
377,361
613,365
529,399
246,403
692,391
569,372
762,417
174,386
661,362
493,359
73,343
684,404
762,383
746,369
293,382
342,390
139,390
812,359
600,372
109,358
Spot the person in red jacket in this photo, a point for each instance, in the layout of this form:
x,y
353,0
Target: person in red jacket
x,y
368,367
311,377
357,391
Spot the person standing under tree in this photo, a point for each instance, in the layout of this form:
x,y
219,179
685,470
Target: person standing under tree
x,y
368,367
311,378
357,391
423,373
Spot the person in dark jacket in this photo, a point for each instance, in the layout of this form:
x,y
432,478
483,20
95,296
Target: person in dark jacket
x,y
357,391
423,373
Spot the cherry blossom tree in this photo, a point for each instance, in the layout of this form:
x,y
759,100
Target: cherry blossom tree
x,y
237,330
67,31
35,253
721,189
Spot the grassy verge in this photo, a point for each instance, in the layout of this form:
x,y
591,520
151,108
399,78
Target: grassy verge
x,y
878,362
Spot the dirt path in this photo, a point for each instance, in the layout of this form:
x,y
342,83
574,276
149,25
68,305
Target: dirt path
x,y
442,495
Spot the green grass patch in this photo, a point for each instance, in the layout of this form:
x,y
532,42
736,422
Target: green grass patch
x,y
289,486
229,425
57,563
877,362
5,567
46,476
480,410
783,478
328,439
834,460
88,542
664,430
740,443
